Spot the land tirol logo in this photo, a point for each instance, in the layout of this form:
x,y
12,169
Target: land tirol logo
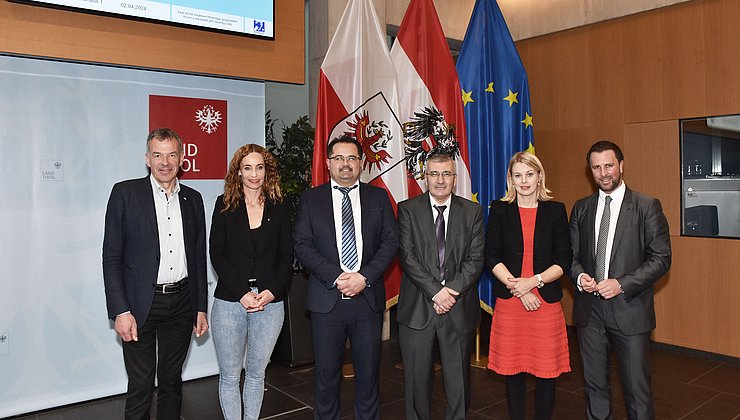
x,y
201,124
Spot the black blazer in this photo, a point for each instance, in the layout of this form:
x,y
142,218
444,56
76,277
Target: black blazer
x,y
505,244
238,255
640,256
315,245
131,248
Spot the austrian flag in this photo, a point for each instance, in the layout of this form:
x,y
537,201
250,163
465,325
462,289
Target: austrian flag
x,y
358,96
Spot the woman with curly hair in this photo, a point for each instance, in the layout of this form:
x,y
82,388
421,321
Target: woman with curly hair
x,y
252,253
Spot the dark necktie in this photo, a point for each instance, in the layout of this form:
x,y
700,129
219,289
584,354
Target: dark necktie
x,y
601,241
349,243
439,227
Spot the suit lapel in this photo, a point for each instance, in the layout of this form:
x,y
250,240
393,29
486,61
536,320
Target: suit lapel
x,y
267,225
187,215
454,221
326,199
513,210
425,221
242,222
146,195
624,215
590,228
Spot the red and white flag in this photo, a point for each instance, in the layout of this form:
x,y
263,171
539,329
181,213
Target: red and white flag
x,y
358,95
430,107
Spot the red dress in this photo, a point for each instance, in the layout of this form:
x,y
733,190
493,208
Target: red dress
x,y
522,341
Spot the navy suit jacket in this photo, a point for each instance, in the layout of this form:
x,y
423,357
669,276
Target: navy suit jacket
x,y
640,256
505,244
131,248
315,245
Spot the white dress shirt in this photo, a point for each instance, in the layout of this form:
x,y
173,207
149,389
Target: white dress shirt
x,y
173,264
445,213
614,207
336,202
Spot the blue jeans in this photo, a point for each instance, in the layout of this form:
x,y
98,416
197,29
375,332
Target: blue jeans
x,y
235,332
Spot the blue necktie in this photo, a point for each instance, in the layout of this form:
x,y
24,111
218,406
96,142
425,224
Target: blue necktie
x,y
349,243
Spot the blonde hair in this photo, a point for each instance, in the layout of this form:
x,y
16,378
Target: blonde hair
x,y
233,189
543,194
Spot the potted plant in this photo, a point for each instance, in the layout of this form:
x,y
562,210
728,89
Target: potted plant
x,y
294,156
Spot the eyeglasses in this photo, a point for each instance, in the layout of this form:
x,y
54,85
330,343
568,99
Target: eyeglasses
x,y
340,158
445,174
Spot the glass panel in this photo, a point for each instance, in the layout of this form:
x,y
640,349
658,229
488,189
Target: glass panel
x,y
710,181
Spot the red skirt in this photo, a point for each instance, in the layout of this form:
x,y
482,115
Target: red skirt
x,y
532,342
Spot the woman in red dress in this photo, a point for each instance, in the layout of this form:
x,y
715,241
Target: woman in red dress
x,y
527,251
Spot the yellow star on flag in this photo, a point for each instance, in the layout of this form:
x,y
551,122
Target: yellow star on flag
x,y
475,197
467,97
490,87
527,120
512,97
530,149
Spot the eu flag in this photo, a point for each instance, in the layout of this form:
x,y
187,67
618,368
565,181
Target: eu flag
x,y
498,116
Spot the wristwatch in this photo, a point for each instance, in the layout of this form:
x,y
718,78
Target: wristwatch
x,y
540,282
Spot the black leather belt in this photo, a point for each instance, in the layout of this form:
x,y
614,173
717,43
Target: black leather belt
x,y
170,288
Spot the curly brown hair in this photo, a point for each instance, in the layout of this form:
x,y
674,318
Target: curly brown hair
x,y
233,189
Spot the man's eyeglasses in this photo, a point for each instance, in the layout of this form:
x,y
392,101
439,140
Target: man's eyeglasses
x,y
340,158
445,174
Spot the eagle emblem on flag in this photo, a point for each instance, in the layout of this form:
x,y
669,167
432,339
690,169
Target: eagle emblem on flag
x,y
427,132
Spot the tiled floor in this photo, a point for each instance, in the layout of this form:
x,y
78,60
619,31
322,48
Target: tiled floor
x,y
685,386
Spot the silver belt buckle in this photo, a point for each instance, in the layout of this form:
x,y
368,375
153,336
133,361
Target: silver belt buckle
x,y
345,297
164,288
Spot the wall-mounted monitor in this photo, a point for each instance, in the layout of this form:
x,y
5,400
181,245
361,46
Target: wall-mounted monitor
x,y
253,17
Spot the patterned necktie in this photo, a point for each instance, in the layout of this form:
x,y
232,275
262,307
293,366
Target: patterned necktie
x,y
601,241
349,243
439,227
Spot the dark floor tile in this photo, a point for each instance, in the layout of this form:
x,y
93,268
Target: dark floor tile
x,y
276,403
679,367
200,399
487,387
281,376
723,378
721,407
109,408
673,399
305,414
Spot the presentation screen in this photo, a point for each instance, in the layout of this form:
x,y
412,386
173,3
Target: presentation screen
x,y
253,17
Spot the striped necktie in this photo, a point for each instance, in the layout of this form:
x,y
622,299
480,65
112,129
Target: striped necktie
x,y
601,241
349,242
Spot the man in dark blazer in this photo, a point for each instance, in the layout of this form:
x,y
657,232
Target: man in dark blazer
x,y
154,268
441,253
346,236
621,247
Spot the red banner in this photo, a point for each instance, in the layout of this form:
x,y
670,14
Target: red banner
x,y
201,124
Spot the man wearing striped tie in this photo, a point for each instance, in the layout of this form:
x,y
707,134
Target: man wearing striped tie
x,y
346,236
621,247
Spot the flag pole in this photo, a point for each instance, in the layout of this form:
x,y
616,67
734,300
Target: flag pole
x,y
480,362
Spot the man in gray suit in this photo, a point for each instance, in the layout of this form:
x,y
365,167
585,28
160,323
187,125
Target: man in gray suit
x,y
621,247
441,253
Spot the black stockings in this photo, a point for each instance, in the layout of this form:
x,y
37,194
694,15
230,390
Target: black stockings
x,y
544,397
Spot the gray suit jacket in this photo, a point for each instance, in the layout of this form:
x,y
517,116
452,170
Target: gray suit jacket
x,y
419,260
640,256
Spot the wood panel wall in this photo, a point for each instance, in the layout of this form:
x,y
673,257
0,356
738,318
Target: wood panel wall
x,y
630,80
56,33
